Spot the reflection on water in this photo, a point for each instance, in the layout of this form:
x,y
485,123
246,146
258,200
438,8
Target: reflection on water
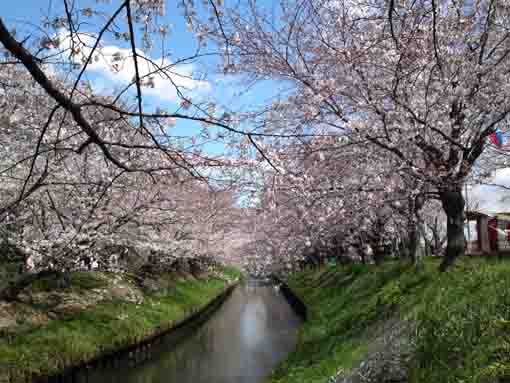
x,y
242,342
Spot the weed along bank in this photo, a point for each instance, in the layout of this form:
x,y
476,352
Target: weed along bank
x,y
210,327
400,323
49,331
248,335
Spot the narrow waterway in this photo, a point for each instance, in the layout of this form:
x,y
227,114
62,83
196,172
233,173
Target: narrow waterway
x,y
240,343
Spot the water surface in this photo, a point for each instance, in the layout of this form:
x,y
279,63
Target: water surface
x,y
241,343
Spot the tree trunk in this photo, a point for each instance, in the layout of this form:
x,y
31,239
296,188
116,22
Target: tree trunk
x,y
415,205
377,249
428,245
412,245
453,205
435,233
378,254
361,251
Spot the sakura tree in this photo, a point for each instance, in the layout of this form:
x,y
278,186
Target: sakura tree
x,y
426,80
65,206
59,54
86,171
326,199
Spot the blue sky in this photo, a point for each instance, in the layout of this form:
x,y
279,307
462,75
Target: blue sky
x,y
26,15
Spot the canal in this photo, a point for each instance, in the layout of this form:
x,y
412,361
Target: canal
x,y
241,342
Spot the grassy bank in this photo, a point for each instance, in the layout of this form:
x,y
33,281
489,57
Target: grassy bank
x,y
460,320
77,335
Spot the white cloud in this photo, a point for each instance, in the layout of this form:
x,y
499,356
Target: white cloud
x,y
491,199
114,64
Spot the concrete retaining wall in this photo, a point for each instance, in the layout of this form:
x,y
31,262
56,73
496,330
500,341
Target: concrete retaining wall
x,y
145,348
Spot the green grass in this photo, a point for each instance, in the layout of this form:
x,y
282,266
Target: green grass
x,y
231,272
462,320
104,328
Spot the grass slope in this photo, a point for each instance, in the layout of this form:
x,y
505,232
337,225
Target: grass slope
x,y
82,336
462,320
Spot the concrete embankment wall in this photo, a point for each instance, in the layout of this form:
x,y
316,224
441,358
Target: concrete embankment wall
x,y
146,348
296,303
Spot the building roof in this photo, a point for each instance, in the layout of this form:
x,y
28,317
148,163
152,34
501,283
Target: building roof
x,y
473,214
504,216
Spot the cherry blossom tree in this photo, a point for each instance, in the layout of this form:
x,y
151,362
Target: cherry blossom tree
x,y
85,172
62,50
377,106
423,80
66,206
326,199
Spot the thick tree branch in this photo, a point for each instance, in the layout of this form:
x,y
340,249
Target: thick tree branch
x,y
65,102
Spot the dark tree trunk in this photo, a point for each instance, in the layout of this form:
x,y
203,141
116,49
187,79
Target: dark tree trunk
x,y
361,251
453,205
412,243
378,254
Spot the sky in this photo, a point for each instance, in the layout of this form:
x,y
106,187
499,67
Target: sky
x,y
27,14
206,86
491,199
